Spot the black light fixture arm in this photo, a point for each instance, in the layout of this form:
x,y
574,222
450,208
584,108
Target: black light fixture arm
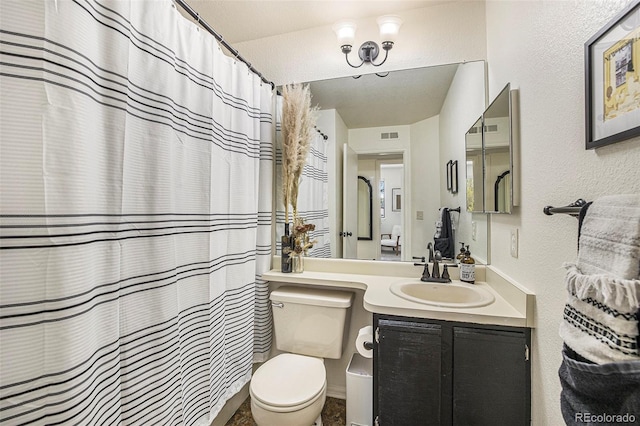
x,y
368,52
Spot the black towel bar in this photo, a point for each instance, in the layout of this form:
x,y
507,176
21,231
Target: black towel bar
x,y
572,209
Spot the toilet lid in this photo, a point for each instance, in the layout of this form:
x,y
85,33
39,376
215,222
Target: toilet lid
x,y
288,380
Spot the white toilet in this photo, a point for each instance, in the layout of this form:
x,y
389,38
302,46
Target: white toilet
x,y
310,324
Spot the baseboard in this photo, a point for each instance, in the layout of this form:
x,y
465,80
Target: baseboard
x,y
231,407
339,392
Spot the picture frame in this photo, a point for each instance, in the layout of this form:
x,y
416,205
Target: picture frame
x,y
396,200
612,80
449,180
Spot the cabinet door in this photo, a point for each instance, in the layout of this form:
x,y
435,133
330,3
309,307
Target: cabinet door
x,y
491,384
408,373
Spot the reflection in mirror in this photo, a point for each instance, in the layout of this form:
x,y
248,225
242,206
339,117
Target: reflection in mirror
x,y
475,193
497,154
365,209
414,120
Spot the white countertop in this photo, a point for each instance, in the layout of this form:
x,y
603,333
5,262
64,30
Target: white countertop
x,y
513,305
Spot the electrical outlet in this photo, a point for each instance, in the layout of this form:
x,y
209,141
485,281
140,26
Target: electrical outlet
x,y
474,230
419,215
514,242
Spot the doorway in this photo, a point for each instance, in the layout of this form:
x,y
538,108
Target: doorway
x,y
386,173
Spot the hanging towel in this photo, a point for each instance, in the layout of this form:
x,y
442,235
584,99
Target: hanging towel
x,y
601,314
443,239
610,237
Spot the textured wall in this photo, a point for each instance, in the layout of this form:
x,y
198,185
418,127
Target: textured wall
x,y
543,57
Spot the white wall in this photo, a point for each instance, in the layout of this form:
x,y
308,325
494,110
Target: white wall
x,y
393,178
539,47
465,102
426,184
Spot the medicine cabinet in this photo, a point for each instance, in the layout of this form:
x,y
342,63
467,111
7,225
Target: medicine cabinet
x,y
491,157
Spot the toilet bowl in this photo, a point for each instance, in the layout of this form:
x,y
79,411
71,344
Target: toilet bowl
x,y
289,390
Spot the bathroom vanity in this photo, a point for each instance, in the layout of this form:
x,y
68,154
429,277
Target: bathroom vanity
x,y
429,372
447,363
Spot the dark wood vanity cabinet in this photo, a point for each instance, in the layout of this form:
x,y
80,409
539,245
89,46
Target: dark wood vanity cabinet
x,y
429,372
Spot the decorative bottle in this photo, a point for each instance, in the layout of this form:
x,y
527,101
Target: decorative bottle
x,y
285,251
468,268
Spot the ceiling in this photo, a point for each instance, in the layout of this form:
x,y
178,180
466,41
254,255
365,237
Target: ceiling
x,y
240,20
403,97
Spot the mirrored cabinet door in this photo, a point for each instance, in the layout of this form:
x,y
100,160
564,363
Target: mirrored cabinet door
x,y
474,168
491,156
497,154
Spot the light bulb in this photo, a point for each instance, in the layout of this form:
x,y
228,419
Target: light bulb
x,y
346,32
389,26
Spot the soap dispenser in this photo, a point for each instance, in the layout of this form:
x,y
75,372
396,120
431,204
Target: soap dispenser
x,y
468,268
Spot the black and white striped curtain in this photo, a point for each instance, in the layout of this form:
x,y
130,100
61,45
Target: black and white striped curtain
x,y
136,167
313,198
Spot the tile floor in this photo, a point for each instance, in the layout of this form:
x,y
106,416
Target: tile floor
x,y
333,414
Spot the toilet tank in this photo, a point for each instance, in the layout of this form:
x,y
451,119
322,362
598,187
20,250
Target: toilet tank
x,y
311,321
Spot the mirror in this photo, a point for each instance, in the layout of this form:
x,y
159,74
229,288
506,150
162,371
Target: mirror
x,y
490,147
401,132
365,209
498,167
474,168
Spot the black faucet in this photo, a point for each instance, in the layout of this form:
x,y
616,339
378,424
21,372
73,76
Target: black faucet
x,y
435,276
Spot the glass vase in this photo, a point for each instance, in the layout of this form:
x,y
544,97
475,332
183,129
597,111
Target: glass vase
x,y
297,263
285,250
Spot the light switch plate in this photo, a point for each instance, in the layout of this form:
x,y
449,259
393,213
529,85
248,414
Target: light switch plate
x,y
514,242
419,215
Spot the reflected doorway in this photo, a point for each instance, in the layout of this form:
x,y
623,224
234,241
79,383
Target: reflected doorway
x,y
386,174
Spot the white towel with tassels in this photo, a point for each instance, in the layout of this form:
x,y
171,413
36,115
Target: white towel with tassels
x,y
601,320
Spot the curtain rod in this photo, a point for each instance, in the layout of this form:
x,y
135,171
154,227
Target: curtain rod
x,y
195,15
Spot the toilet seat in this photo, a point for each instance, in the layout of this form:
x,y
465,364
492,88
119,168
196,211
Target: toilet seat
x,y
288,382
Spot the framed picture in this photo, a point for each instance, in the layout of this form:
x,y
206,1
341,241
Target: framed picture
x,y
396,200
612,80
449,175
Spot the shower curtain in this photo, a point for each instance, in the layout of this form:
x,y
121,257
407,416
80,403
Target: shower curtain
x,y
313,198
135,206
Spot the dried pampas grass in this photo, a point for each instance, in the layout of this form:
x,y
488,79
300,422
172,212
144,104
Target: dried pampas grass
x,y
298,121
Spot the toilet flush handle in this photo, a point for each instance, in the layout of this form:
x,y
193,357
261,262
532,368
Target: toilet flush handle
x,y
277,304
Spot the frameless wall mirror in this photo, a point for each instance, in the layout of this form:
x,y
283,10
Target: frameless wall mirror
x,y
492,185
397,129
365,209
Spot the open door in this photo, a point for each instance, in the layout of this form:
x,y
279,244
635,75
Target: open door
x,y
350,204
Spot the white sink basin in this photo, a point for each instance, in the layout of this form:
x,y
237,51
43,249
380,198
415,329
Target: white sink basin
x,y
450,295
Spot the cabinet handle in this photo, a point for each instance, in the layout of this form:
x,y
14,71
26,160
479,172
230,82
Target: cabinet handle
x,y
526,352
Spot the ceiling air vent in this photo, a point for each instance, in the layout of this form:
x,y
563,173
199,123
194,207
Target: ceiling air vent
x,y
389,135
491,128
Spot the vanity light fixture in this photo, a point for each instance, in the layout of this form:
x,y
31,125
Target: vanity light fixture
x,y
368,52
